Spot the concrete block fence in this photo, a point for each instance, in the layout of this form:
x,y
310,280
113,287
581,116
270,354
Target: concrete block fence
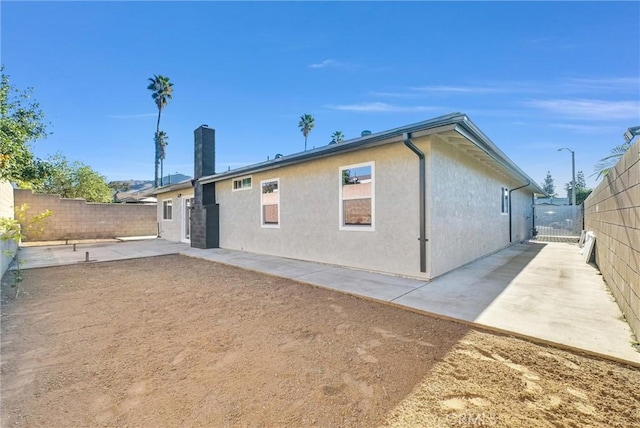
x,y
612,212
79,219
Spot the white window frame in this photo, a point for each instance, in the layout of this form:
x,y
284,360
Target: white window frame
x,y
241,180
363,228
262,223
504,202
186,217
167,203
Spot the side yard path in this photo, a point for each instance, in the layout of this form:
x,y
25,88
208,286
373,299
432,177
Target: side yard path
x,y
178,341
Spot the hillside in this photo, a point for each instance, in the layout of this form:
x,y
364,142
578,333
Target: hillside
x,y
138,185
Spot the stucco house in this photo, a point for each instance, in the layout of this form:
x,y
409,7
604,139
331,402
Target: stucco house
x,y
418,200
174,203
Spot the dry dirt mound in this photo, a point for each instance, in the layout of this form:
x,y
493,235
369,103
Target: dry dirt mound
x,y
176,341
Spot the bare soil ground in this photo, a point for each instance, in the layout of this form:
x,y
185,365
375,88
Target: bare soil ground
x,y
176,341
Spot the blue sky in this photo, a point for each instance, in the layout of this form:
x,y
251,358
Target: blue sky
x,y
533,76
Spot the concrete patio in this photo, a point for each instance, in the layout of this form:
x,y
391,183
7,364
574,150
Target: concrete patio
x,y
539,290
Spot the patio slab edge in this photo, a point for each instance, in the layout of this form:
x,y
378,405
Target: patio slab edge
x,y
475,325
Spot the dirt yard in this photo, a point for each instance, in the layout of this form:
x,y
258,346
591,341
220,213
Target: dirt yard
x,y
174,341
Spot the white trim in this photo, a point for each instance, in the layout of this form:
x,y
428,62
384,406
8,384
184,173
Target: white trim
x,y
241,179
170,201
185,217
504,203
262,223
363,228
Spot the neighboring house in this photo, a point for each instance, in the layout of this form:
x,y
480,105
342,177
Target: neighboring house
x,y
552,201
137,197
174,210
419,200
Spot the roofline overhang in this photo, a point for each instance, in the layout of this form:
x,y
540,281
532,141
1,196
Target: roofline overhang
x,y
457,122
169,188
472,133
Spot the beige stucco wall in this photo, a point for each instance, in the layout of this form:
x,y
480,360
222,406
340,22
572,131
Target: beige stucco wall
x,y
172,230
612,212
466,221
521,213
78,219
6,210
309,220
463,211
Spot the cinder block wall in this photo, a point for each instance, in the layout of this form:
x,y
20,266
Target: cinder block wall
x,y
612,212
6,210
79,219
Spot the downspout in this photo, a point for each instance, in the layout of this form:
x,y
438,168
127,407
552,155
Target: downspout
x,y
533,217
510,218
406,137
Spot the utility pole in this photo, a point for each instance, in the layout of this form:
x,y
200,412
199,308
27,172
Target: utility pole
x,y
573,175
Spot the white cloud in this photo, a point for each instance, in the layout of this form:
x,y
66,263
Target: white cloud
x,y
583,109
504,87
618,84
379,107
585,129
332,63
625,85
395,94
459,89
324,64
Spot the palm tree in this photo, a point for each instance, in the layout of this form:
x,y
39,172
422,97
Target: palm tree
x,y
306,125
337,137
161,92
161,144
604,165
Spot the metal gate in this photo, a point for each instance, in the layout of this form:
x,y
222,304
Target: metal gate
x,y
558,222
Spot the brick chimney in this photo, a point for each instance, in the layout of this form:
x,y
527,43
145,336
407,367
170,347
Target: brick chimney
x,y
205,215
204,154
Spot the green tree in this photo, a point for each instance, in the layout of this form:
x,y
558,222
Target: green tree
x,y
74,180
604,165
17,229
548,186
21,123
580,181
337,137
161,92
306,124
162,140
582,192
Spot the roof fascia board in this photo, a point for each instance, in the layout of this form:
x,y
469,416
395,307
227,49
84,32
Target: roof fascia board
x,y
392,136
169,188
458,122
468,130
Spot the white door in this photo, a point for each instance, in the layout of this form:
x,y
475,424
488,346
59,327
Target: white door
x,y
186,219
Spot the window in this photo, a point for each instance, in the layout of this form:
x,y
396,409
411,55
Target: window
x,y
357,192
270,203
243,183
167,209
505,200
